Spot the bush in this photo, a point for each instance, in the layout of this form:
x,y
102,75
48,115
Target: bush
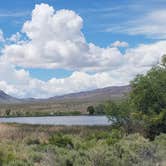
x,y
61,141
7,112
6,156
91,110
31,141
100,109
134,150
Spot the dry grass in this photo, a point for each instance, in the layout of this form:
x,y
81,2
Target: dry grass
x,y
19,132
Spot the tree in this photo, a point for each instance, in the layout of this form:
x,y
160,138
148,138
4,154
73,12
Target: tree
x,y
164,61
146,105
120,114
91,110
8,111
100,109
149,92
148,99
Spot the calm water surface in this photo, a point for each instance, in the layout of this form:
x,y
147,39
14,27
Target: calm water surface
x,y
60,120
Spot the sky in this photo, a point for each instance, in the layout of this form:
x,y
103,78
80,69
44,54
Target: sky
x,y
55,47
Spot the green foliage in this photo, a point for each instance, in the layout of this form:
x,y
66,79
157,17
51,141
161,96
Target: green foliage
x,y
149,92
91,110
96,147
146,106
100,109
148,99
116,135
8,111
118,112
6,155
61,141
134,150
98,136
163,62
31,141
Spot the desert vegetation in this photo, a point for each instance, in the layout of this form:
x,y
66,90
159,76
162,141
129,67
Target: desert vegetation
x,y
45,145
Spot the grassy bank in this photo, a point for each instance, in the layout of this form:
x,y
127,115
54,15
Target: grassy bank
x,y
28,145
51,109
45,108
38,114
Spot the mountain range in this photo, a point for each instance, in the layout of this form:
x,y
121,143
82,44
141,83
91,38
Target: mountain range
x,y
114,92
5,98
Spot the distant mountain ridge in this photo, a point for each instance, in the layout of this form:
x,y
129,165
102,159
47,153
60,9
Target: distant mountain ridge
x,y
97,94
5,98
102,93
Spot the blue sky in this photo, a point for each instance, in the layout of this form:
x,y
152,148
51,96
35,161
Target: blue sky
x,y
97,15
103,23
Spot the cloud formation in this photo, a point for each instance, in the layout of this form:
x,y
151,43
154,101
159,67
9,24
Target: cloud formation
x,y
54,39
151,25
136,61
20,83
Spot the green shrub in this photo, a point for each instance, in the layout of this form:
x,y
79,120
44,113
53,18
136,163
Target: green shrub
x,y
7,112
6,156
61,141
31,141
100,109
116,135
91,110
98,136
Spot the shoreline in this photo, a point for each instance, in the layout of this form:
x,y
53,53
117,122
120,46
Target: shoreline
x,y
50,116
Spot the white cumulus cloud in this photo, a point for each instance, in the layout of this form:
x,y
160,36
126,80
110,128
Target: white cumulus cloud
x,y
55,40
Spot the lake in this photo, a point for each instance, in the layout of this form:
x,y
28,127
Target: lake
x,y
60,120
